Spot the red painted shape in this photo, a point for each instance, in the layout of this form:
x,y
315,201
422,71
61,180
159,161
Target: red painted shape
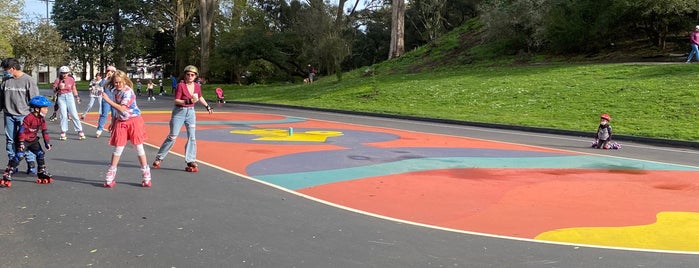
x,y
518,202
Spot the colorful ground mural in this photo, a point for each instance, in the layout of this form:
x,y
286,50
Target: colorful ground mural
x,y
459,183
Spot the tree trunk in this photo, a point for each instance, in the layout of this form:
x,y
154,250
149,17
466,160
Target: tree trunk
x,y
120,53
206,17
397,29
180,33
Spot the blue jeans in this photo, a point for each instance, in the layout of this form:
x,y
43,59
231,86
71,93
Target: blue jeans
x,y
695,53
105,108
12,124
92,102
66,104
180,116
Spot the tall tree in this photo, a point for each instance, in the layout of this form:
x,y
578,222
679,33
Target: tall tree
x,y
207,10
397,47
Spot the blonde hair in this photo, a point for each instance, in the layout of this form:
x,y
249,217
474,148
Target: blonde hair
x,y
123,76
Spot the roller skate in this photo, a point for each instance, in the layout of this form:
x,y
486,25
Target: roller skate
x,y
98,133
63,136
44,177
192,167
157,162
109,180
81,135
53,117
146,177
7,177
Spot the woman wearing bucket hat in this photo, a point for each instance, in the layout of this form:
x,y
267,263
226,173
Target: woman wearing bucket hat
x,y
187,94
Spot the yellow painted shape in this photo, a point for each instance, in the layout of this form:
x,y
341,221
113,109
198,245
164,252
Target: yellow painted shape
x,y
283,135
677,231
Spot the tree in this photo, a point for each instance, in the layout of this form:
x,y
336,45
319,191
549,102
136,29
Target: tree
x,y
38,44
397,47
659,18
207,9
9,11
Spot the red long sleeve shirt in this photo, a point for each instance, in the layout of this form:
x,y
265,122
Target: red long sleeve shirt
x,y
29,131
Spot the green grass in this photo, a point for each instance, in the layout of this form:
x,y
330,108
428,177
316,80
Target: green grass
x,y
648,100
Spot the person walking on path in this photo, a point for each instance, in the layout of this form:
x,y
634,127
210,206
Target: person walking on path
x,y
67,97
694,42
187,94
29,141
15,92
127,125
311,74
105,108
95,94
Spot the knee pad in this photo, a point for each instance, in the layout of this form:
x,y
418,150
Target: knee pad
x,y
139,149
118,150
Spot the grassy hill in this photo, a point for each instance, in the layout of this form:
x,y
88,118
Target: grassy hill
x,y
458,78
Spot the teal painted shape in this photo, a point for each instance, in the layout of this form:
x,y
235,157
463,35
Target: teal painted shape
x,y
295,181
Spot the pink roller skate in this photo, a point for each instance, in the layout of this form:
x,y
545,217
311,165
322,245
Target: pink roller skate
x,y
192,167
157,162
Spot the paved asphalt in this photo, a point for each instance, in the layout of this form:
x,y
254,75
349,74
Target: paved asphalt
x,y
214,218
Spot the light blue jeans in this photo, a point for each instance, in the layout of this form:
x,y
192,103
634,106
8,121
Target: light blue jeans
x,y
180,116
12,124
66,104
695,53
105,108
92,102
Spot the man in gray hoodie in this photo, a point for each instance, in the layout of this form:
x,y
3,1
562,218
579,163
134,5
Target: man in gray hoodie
x,y
16,90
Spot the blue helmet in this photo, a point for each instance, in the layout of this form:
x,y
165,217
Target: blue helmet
x,y
39,101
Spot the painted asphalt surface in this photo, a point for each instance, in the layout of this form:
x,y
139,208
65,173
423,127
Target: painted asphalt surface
x,y
403,194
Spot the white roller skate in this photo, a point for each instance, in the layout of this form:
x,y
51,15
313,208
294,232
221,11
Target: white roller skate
x,y
109,180
146,177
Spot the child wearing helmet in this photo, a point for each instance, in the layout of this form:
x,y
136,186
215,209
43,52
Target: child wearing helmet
x,y
29,140
603,136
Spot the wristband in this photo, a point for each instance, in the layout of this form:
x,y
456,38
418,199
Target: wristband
x,y
208,108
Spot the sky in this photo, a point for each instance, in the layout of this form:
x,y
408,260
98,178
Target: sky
x,y
37,8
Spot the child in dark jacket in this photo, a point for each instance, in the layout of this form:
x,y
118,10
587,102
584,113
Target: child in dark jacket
x,y
603,136
29,140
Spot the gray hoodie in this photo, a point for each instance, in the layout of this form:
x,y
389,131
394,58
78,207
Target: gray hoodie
x,y
16,93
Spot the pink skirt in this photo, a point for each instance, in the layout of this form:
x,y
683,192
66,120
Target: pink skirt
x,y
133,130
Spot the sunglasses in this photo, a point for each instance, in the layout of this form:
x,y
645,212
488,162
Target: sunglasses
x,y
191,74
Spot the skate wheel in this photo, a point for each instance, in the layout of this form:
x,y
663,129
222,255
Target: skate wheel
x,y
156,163
146,183
39,181
50,180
